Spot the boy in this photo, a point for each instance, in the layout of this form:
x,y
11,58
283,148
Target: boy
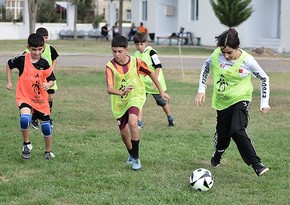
x,y
150,57
35,78
128,94
49,54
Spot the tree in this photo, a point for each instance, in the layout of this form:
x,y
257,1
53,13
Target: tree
x,y
32,10
120,16
232,12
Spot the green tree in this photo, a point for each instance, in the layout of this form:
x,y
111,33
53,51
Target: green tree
x,y
85,9
46,12
232,12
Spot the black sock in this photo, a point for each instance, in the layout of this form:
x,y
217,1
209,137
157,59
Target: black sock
x,y
135,149
50,105
26,143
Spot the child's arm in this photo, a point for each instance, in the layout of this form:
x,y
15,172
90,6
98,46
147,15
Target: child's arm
x,y
122,92
9,80
53,64
156,82
48,85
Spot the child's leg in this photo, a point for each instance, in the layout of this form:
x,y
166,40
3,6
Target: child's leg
x,y
165,106
125,134
25,120
140,123
47,134
50,100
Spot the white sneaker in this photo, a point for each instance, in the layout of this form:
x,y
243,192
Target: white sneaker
x,y
26,151
136,164
48,155
129,160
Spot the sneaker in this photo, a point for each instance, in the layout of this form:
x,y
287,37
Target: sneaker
x,y
26,151
140,124
216,159
171,123
48,155
34,124
129,160
136,164
260,169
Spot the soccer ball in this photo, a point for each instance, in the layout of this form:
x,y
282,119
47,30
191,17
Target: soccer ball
x,y
201,179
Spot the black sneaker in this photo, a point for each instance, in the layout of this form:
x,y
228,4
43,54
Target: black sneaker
x,y
171,123
216,159
34,124
26,151
260,169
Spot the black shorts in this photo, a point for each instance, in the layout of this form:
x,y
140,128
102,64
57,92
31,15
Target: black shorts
x,y
159,100
51,91
39,115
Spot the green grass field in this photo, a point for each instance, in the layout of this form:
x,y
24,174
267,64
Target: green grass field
x,y
90,168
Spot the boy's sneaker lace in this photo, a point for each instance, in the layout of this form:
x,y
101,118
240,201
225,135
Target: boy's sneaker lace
x,y
260,169
216,159
129,160
26,151
136,164
34,124
48,155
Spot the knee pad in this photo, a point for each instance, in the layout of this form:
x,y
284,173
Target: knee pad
x,y
46,128
25,120
160,101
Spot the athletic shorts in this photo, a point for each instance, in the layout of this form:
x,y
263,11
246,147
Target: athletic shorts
x,y
39,115
122,121
50,91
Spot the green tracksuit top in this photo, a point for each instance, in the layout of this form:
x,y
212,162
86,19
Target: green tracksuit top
x,y
229,86
145,56
136,97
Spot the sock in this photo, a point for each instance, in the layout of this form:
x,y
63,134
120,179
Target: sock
x,y
169,118
135,149
26,143
50,105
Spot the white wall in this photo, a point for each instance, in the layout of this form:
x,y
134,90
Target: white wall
x,y
285,28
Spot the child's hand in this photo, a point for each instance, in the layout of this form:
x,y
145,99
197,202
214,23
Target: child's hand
x,y
265,109
165,96
199,99
9,86
45,86
127,90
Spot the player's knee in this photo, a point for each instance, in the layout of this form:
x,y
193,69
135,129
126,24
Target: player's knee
x,y
25,120
46,128
161,102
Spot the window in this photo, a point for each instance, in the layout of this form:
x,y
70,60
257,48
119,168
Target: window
x,y
14,8
128,15
194,10
144,10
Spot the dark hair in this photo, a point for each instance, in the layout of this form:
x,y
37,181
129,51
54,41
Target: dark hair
x,y
119,41
228,38
42,31
139,38
35,40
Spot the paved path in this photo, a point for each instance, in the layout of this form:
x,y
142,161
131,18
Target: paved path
x,y
269,64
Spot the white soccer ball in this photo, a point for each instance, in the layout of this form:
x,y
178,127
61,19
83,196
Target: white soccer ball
x,y
201,179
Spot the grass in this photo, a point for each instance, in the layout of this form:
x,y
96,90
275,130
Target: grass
x,y
89,167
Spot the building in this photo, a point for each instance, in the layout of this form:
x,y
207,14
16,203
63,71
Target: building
x,y
267,27
14,9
